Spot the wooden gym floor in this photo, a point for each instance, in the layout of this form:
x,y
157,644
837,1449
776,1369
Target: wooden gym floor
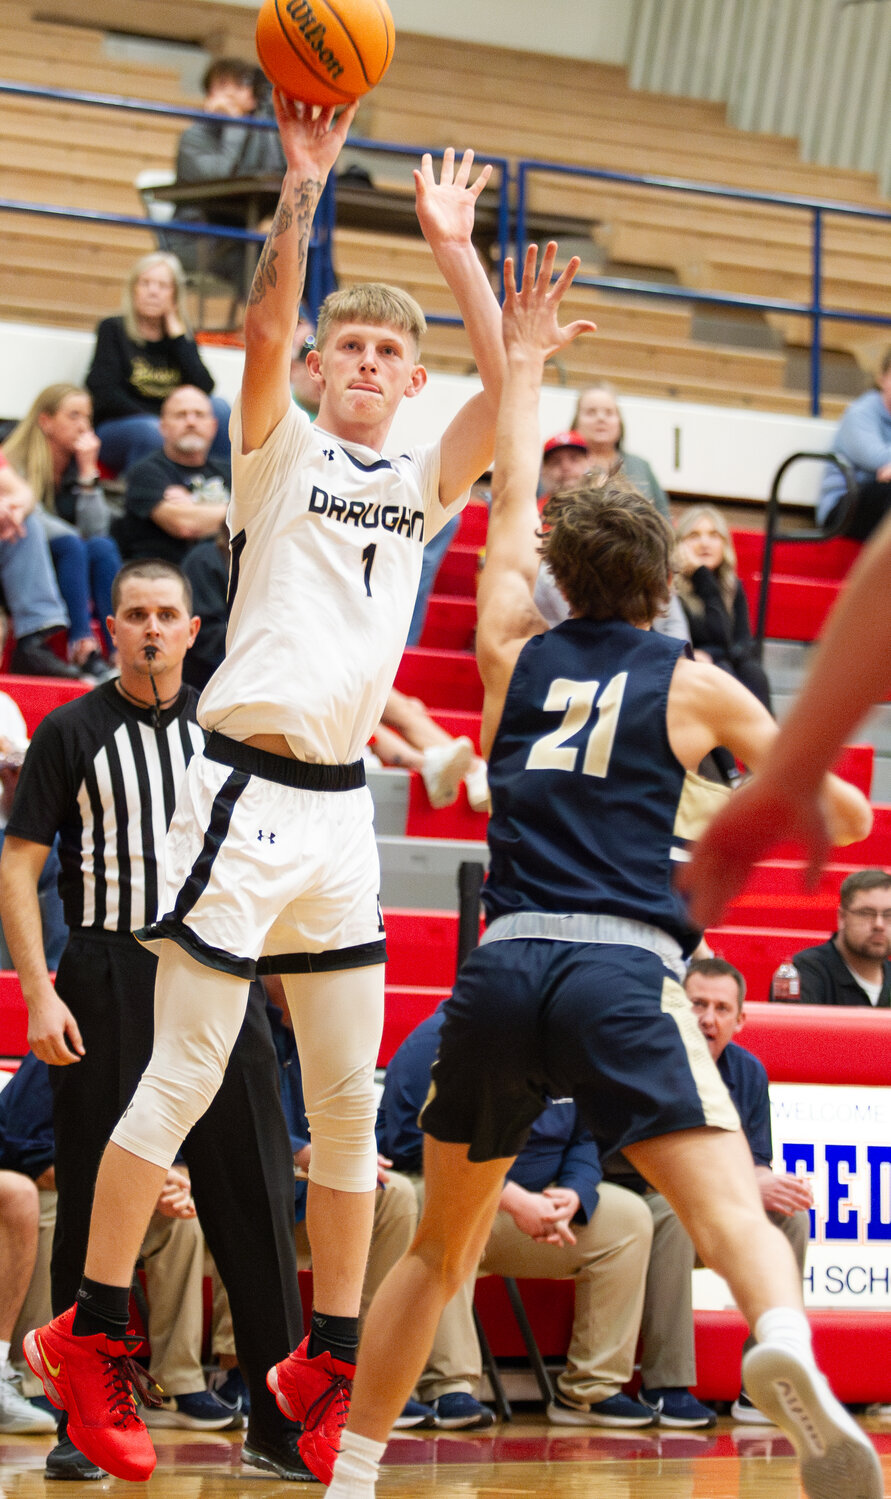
x,y
527,1457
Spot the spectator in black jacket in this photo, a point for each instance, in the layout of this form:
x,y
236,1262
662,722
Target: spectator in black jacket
x,y
714,600
716,610
853,967
140,358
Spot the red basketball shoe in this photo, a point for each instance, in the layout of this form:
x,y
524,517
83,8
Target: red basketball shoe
x,y
316,1392
92,1378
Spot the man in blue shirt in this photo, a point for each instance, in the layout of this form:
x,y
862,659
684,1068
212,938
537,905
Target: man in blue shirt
x,y
557,1219
668,1363
864,438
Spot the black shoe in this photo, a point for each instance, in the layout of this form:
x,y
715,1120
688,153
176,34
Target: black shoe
x,y
280,1456
32,657
94,669
67,1461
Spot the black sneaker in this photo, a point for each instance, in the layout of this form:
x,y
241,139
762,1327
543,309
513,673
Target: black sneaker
x,y
32,657
67,1461
280,1456
94,669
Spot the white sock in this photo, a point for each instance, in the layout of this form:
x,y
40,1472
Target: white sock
x,y
788,1326
355,1469
4,1354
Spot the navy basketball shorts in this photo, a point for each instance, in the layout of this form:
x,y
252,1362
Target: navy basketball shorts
x,y
607,1025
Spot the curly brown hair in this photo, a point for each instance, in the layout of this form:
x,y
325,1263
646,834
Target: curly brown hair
x,y
609,549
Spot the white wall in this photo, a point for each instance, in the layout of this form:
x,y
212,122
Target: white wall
x,y
594,29
704,450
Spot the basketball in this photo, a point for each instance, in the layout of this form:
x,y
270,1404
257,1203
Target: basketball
x,y
325,51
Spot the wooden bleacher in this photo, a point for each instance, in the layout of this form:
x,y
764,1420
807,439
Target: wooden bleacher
x,y
84,157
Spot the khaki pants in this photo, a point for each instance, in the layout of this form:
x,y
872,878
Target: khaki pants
x,y
395,1220
173,1259
668,1359
608,1265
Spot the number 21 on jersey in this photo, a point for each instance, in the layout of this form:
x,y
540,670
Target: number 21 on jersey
x,y
578,701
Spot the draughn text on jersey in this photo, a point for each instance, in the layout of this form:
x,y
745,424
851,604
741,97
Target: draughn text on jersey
x,y
367,515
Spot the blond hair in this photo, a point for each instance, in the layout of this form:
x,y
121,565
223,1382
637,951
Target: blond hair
x,y
27,446
725,572
145,263
373,302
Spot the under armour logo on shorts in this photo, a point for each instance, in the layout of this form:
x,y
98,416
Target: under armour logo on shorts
x,y
261,835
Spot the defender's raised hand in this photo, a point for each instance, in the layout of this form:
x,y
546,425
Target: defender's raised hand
x,y
446,208
529,315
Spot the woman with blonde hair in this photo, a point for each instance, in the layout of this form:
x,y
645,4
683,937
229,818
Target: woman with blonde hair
x,y
55,449
141,356
714,600
599,420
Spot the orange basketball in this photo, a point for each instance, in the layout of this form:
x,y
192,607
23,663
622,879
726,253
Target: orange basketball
x,y
325,51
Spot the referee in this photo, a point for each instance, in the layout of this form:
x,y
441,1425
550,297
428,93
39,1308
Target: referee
x,y
103,772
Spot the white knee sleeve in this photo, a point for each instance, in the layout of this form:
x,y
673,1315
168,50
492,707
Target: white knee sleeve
x,y
338,1019
198,1014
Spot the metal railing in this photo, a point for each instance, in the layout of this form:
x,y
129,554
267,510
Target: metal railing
x,y
511,219
772,534
325,218
816,309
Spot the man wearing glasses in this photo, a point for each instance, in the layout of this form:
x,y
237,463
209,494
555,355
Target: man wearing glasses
x,y
852,968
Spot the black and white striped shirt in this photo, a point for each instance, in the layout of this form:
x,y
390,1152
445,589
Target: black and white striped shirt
x,y
101,776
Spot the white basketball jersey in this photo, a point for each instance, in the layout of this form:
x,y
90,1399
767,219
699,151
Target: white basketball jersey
x,y
327,539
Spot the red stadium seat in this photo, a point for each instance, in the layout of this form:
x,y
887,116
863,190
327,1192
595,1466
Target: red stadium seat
x,y
13,1016
37,696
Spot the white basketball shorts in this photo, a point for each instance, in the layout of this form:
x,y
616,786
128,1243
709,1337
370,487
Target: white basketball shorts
x,y
271,865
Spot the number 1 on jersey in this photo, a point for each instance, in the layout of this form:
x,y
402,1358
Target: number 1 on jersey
x,y
368,559
576,701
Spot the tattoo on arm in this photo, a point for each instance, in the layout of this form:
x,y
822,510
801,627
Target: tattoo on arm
x,y
306,196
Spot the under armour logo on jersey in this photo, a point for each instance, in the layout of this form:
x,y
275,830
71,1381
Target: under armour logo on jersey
x,y
261,835
329,454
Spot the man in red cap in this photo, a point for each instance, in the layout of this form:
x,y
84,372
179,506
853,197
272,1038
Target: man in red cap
x,y
564,459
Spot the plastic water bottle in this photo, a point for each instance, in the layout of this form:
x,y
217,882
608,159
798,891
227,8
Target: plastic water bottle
x,y
786,985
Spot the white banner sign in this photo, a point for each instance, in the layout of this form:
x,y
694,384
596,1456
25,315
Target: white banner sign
x,y
840,1139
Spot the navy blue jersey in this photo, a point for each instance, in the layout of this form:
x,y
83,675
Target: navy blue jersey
x,y
591,809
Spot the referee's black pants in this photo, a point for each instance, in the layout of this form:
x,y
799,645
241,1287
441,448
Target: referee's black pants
x,y
238,1154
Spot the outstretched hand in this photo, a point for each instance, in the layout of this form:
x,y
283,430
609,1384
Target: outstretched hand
x,y
754,821
311,142
529,315
446,208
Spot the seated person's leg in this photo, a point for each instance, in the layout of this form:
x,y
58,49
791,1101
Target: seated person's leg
x,y
37,1305
221,447
34,601
608,1263
668,1354
126,439
104,562
19,1216
173,1261
70,559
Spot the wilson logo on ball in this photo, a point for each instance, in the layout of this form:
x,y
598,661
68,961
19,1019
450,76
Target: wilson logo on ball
x,y
313,33
325,51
